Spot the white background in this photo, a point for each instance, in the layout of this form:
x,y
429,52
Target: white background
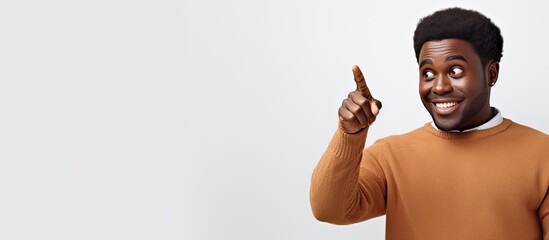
x,y
204,119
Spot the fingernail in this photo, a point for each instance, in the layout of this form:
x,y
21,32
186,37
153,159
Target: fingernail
x,y
378,103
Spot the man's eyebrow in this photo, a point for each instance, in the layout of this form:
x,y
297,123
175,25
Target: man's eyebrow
x,y
425,61
456,57
449,58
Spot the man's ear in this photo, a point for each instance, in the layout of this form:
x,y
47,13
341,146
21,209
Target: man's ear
x,y
493,73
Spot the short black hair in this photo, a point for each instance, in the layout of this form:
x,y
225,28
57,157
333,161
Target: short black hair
x,y
469,25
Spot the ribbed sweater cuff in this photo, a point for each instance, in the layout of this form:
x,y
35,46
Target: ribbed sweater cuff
x,y
348,146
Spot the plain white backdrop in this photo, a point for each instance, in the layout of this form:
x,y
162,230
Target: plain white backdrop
x,y
204,119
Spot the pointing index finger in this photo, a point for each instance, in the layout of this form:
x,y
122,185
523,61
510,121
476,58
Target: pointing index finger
x,y
360,82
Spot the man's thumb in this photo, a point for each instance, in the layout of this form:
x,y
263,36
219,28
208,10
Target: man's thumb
x,y
375,105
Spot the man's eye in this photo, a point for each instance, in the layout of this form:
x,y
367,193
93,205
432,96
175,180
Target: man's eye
x,y
428,74
456,71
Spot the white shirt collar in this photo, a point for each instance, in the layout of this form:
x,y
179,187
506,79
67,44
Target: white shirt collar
x,y
496,120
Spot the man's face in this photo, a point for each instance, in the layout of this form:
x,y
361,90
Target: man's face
x,y
452,84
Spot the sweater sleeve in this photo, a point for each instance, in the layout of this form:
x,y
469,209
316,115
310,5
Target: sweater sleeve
x,y
544,216
347,185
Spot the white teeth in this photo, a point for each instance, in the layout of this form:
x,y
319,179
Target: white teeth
x,y
445,105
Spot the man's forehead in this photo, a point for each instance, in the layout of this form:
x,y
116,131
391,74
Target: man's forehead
x,y
446,48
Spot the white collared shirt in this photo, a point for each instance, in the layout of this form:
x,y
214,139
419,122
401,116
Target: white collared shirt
x,y
496,120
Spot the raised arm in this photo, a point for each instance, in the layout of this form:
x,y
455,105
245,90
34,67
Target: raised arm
x,y
348,185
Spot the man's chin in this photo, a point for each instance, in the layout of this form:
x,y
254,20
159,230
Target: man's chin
x,y
444,123
447,125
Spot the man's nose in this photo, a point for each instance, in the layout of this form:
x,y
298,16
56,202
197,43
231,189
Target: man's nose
x,y
442,85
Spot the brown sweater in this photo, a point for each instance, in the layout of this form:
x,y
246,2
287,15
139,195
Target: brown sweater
x,y
486,184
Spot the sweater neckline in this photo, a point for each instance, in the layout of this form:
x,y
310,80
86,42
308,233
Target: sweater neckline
x,y
472,134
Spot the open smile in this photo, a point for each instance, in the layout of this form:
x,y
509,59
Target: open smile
x,y
445,107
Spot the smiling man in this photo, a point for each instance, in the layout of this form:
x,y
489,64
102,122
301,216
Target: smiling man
x,y
470,174
454,87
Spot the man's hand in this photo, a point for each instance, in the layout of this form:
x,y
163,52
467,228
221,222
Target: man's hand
x,y
359,109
